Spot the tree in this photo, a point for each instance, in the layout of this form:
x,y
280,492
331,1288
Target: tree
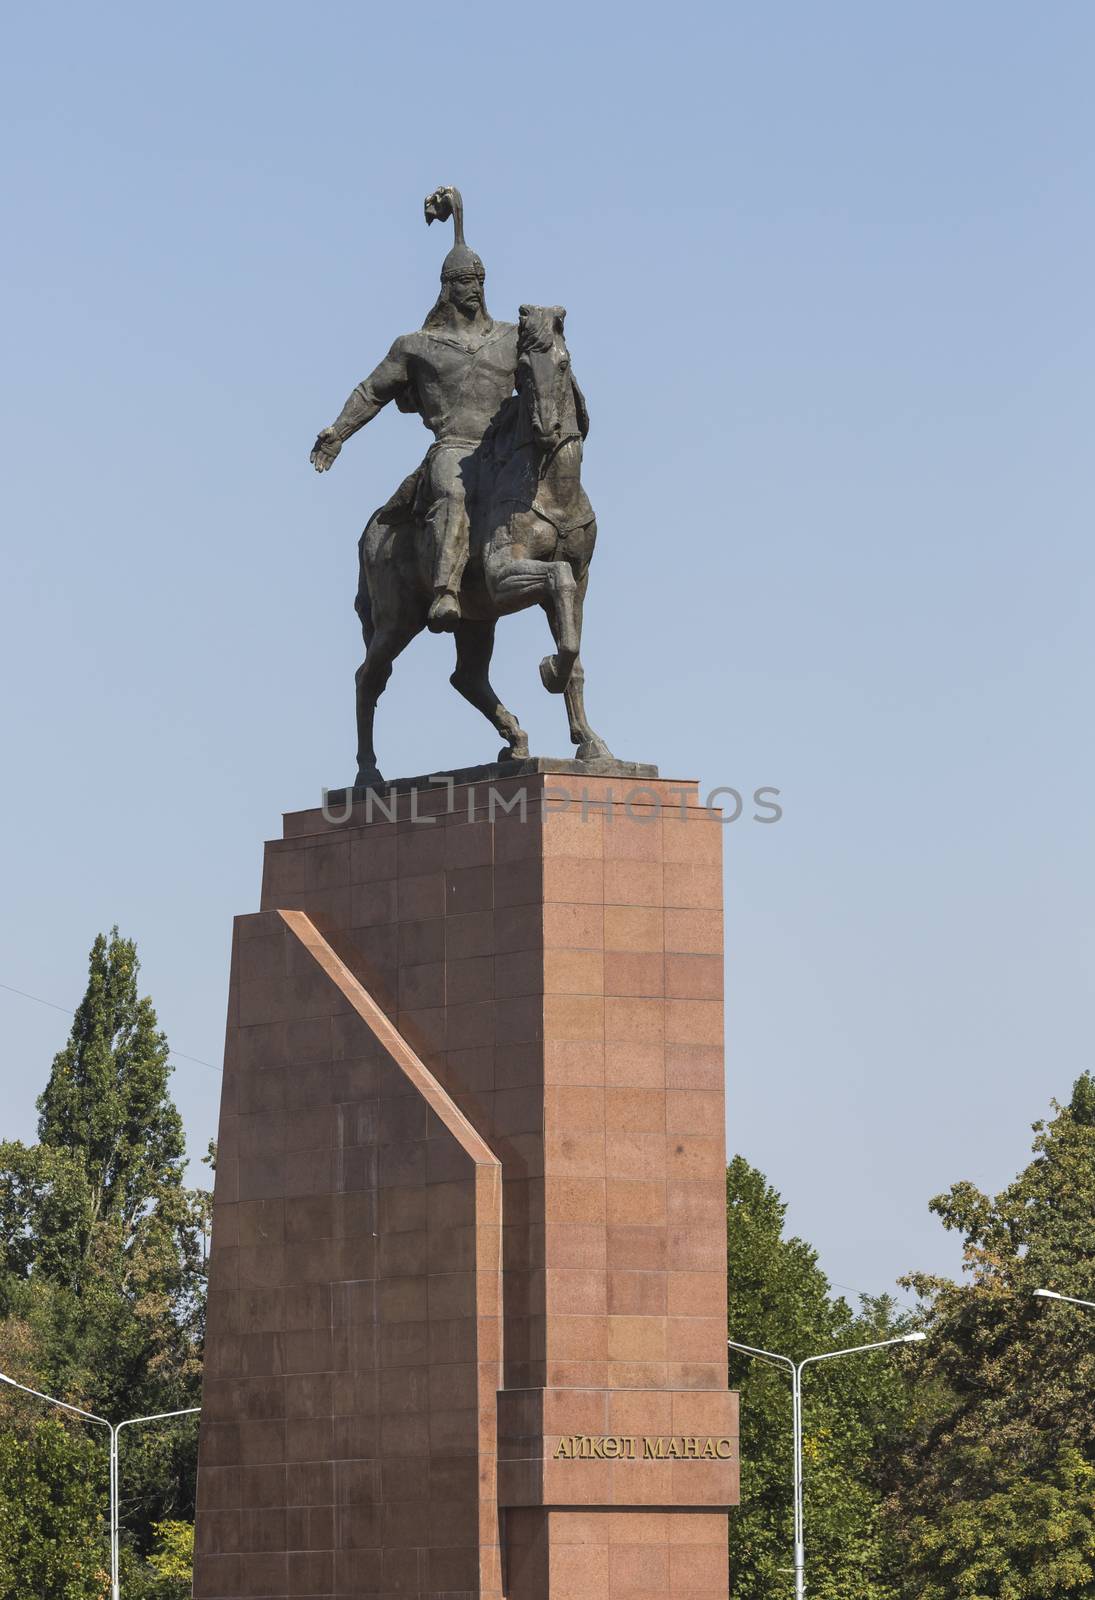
x,y
172,1561
101,1243
993,1483
780,1300
53,1534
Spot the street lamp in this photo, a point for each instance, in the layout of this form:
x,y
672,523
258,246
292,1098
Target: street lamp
x,y
797,1368
115,1433
1069,1299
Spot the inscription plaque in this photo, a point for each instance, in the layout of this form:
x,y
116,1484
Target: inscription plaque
x,y
625,1447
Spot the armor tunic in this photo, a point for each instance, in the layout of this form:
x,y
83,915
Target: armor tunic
x,y
456,383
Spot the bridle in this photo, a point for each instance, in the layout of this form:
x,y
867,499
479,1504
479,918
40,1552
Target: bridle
x,y
572,436
552,450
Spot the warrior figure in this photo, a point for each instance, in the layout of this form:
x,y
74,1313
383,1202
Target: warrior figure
x,y
455,372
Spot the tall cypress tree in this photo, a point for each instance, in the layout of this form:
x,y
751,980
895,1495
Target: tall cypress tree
x,y
108,1107
101,1258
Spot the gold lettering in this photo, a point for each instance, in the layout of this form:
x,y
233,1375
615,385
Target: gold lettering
x,y
591,1447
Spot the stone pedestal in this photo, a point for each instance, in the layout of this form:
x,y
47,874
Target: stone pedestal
x,y
467,1312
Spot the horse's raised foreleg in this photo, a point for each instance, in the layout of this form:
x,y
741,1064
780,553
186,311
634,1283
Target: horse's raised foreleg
x,y
591,746
372,677
474,648
524,582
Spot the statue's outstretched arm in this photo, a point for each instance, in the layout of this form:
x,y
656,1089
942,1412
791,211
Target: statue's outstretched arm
x,y
390,379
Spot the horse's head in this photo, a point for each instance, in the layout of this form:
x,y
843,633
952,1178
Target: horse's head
x,y
543,373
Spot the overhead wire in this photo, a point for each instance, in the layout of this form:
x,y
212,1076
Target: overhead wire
x,y
37,998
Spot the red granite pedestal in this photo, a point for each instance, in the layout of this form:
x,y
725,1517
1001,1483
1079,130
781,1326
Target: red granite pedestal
x,y
467,1311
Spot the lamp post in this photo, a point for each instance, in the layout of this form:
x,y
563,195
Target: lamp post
x,y
115,1433
796,1369
1069,1299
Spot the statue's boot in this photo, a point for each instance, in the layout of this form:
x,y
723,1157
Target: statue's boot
x,y
444,613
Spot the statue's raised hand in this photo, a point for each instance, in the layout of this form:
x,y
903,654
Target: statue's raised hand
x,y
325,449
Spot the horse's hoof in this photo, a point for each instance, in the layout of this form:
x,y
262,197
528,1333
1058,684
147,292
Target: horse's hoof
x,y
593,750
369,778
553,680
514,752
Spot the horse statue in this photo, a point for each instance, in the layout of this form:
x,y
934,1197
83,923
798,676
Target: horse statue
x,y
532,537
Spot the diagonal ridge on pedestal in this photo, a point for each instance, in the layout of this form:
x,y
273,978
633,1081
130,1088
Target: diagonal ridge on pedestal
x,y
388,1036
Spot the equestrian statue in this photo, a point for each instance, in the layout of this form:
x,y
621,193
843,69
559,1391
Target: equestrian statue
x,y
495,518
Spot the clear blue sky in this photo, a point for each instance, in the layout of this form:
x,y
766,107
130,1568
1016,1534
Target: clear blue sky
x,y
828,271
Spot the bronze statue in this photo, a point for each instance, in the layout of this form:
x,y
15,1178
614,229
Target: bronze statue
x,y
495,519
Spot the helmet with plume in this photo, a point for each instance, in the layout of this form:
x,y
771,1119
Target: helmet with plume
x,y
461,262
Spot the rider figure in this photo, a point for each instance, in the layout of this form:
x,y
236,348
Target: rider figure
x,y
455,373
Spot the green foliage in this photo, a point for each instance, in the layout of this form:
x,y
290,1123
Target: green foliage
x,y
780,1300
1023,1540
993,1483
102,1282
172,1561
54,1538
